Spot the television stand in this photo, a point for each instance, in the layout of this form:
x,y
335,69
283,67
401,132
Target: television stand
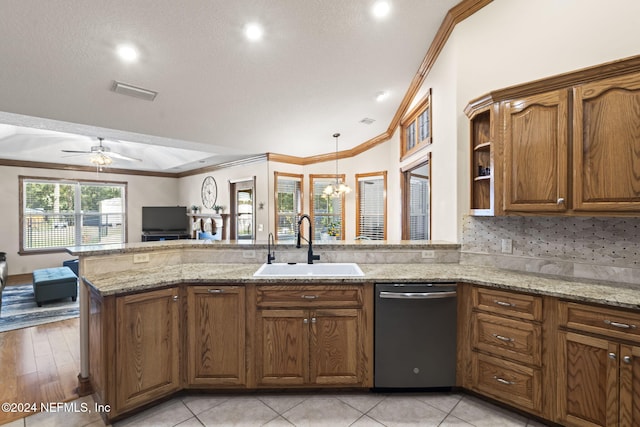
x,y
156,236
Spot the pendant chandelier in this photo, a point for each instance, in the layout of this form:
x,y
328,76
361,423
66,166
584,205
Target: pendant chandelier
x,y
339,188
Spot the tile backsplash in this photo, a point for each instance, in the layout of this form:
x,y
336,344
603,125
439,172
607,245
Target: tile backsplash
x,y
585,247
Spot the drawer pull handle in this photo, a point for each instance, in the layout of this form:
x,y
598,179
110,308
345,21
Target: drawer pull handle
x,y
619,325
503,381
503,338
215,291
504,303
309,296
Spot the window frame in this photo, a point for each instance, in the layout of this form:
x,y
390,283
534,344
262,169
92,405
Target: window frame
x,y
412,118
312,212
295,177
383,175
405,188
65,181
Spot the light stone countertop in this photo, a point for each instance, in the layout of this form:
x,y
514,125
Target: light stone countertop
x,y
618,295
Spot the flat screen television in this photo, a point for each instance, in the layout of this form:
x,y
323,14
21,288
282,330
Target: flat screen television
x,y
165,219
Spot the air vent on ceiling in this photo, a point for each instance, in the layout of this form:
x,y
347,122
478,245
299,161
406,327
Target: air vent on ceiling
x,y
136,92
367,121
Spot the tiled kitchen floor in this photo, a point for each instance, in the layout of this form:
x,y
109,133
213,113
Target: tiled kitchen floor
x,y
335,410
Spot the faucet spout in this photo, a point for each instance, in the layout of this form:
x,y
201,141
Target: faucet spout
x,y
310,256
271,241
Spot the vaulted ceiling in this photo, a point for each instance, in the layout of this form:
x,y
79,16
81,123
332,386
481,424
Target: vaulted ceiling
x,y
317,70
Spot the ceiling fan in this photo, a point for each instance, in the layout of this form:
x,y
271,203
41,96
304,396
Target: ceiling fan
x,y
102,155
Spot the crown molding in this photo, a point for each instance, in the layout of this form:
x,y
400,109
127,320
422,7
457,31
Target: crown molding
x,y
76,168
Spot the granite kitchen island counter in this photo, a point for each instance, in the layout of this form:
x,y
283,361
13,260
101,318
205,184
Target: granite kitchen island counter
x,y
614,294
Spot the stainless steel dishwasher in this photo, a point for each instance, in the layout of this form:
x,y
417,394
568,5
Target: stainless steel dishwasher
x,y
415,335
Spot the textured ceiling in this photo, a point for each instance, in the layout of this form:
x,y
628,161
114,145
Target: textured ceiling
x,y
315,72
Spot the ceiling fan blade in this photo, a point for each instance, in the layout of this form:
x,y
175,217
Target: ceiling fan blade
x,y
122,156
76,151
77,154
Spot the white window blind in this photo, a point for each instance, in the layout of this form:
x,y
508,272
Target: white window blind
x,y
371,207
326,211
419,209
288,206
57,214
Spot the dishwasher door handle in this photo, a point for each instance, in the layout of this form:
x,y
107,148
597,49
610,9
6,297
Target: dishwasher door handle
x,y
417,295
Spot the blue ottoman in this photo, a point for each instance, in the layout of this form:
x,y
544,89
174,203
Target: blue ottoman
x,y
54,283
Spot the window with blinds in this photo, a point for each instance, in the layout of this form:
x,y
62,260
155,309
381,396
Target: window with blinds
x,y
371,209
327,212
419,208
288,203
59,213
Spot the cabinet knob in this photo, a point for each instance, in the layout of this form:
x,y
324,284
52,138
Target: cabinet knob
x,y
313,320
175,297
305,321
560,200
612,356
627,359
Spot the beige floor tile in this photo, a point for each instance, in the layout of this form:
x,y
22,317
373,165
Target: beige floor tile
x,y
322,411
406,411
167,414
443,401
15,423
198,403
281,403
238,411
483,414
452,421
191,422
79,412
279,422
363,402
366,421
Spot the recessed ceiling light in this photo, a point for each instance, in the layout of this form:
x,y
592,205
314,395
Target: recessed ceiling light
x,y
127,52
381,9
253,31
382,95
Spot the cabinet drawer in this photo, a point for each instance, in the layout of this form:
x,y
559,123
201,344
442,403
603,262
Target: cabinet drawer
x,y
509,382
600,320
309,296
514,304
515,339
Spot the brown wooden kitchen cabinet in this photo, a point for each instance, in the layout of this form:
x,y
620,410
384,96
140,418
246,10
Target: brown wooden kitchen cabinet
x,y
599,366
536,152
566,145
216,335
314,335
506,347
606,144
147,358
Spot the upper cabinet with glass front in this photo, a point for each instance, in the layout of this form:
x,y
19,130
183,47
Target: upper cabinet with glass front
x,y
416,128
567,145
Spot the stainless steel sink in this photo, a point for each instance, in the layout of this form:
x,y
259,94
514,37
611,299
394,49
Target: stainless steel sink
x,y
333,269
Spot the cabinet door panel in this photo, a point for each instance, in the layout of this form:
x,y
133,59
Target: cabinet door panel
x,y
535,148
336,347
629,386
216,335
606,144
516,340
283,347
147,363
587,381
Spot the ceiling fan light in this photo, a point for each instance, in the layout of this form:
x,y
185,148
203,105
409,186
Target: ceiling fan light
x,y
100,159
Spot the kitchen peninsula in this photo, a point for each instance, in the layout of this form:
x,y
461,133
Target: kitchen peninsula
x,y
152,314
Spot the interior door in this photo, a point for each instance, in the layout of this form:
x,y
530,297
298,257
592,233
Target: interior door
x,y
242,210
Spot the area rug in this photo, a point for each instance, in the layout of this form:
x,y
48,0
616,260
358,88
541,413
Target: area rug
x,y
20,310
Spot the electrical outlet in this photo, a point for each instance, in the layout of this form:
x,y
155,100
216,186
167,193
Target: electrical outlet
x,y
507,246
248,254
428,254
260,227
140,258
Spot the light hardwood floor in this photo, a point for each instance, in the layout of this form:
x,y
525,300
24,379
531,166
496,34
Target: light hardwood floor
x,y
39,364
